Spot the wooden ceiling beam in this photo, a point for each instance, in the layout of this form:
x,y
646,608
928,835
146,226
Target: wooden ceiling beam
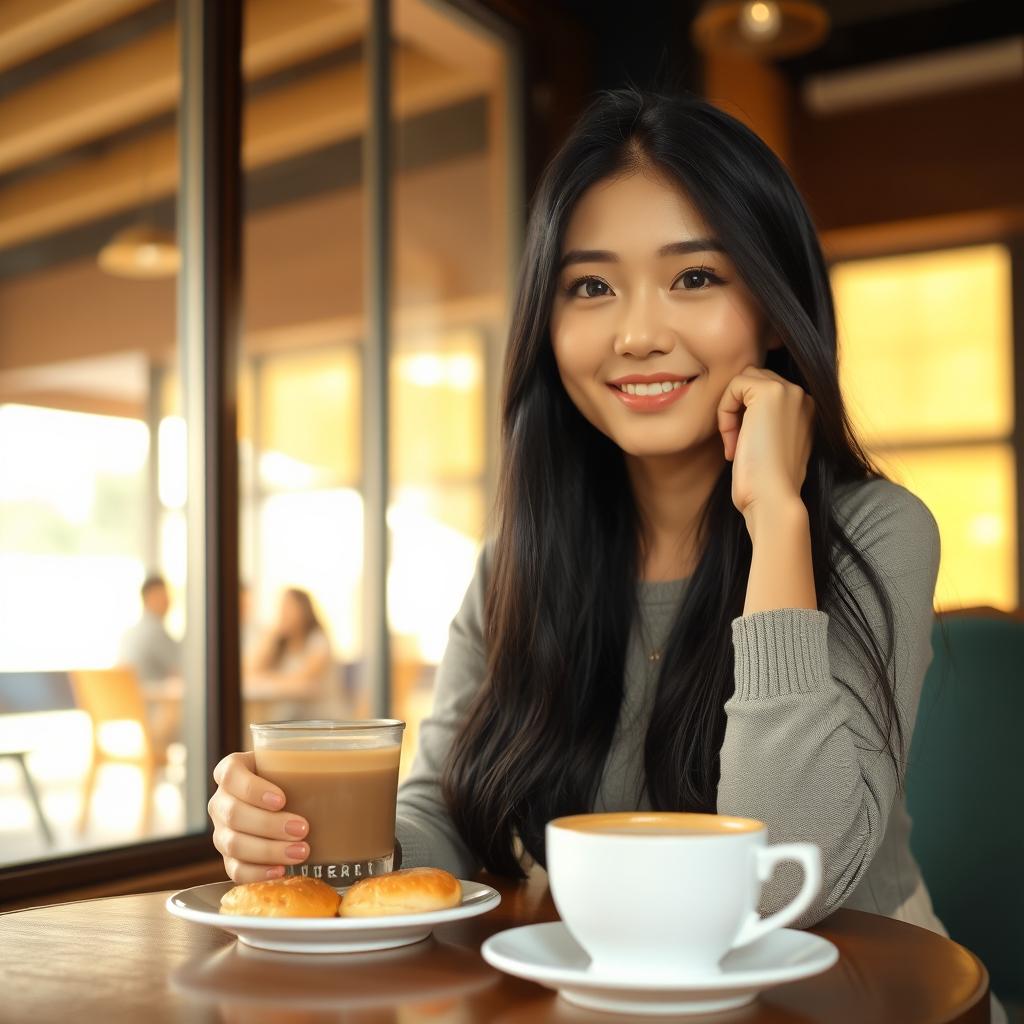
x,y
29,28
313,112
96,97
448,38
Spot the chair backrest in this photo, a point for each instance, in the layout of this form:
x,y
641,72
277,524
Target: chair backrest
x,y
109,695
965,788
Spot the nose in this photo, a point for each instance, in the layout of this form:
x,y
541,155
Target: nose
x,y
643,331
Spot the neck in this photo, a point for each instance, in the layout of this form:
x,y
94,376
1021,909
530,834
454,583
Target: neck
x,y
671,492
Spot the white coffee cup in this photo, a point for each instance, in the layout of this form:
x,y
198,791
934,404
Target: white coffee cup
x,y
669,893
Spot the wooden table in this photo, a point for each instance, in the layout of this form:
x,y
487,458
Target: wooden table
x,y
125,959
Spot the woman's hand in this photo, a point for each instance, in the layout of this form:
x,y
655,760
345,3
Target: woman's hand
x,y
766,423
250,830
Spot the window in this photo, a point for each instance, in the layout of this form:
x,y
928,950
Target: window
x,y
97,490
926,357
304,452
92,456
454,204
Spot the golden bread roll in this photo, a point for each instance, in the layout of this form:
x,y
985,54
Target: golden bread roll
x,y
409,891
295,896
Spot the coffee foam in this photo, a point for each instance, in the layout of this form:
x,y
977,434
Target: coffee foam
x,y
665,823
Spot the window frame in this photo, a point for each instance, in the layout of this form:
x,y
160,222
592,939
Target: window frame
x,y
209,214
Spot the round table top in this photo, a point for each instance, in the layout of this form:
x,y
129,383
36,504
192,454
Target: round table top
x,y
126,958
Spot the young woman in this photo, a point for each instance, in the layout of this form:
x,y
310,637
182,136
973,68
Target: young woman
x,y
293,659
699,594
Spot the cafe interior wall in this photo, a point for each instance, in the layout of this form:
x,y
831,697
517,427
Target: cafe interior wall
x,y
924,191
920,204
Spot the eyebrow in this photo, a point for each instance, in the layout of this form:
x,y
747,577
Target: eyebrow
x,y
672,249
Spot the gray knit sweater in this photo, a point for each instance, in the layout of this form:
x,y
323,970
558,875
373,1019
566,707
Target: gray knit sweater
x,y
800,751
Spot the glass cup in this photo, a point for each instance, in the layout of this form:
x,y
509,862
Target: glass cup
x,y
342,777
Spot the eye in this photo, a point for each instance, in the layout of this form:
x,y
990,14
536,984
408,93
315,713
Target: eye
x,y
698,279
589,285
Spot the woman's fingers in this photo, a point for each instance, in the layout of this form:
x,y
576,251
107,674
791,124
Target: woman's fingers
x,y
231,813
241,872
236,775
251,851
739,393
731,408
255,837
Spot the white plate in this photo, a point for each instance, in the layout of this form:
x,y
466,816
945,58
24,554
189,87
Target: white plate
x,y
325,934
550,956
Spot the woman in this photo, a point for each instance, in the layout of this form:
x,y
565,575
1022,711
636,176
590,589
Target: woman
x,y
699,595
292,661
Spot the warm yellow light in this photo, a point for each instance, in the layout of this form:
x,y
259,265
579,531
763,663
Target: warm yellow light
x,y
142,250
760,20
460,371
926,344
437,399
971,491
926,349
310,419
761,28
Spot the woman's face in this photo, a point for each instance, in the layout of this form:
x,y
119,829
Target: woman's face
x,y
291,620
650,320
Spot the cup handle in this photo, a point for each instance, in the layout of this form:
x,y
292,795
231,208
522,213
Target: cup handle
x,y
809,857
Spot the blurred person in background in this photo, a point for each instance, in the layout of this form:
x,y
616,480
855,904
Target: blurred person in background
x,y
155,656
147,646
292,662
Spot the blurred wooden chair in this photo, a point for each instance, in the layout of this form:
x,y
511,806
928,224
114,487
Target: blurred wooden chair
x,y
108,696
965,788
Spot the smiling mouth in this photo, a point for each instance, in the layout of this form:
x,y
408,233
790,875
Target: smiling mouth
x,y
652,388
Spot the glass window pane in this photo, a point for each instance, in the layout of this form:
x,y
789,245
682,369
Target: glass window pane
x,y
92,455
300,549
438,417
926,344
451,228
300,381
309,408
972,494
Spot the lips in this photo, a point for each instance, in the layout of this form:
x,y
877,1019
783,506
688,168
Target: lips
x,y
651,393
654,387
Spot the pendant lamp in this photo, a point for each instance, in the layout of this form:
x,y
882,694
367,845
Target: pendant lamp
x,y
766,29
141,250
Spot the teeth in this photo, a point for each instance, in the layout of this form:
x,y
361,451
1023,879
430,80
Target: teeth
x,y
659,387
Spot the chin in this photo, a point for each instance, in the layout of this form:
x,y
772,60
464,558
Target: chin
x,y
653,436
651,443
649,451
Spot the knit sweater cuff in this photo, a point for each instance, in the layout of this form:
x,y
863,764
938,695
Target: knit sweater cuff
x,y
780,652
416,852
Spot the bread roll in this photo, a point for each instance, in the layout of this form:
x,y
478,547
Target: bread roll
x,y
409,891
295,896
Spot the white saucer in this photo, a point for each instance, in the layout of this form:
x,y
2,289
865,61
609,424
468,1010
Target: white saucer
x,y
325,934
550,956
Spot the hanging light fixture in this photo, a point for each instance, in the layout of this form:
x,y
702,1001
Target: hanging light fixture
x,y
141,250
768,29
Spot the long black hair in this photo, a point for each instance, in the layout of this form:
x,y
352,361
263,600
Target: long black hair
x,y
561,593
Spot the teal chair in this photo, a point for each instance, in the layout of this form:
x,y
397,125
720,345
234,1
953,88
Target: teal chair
x,y
965,789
